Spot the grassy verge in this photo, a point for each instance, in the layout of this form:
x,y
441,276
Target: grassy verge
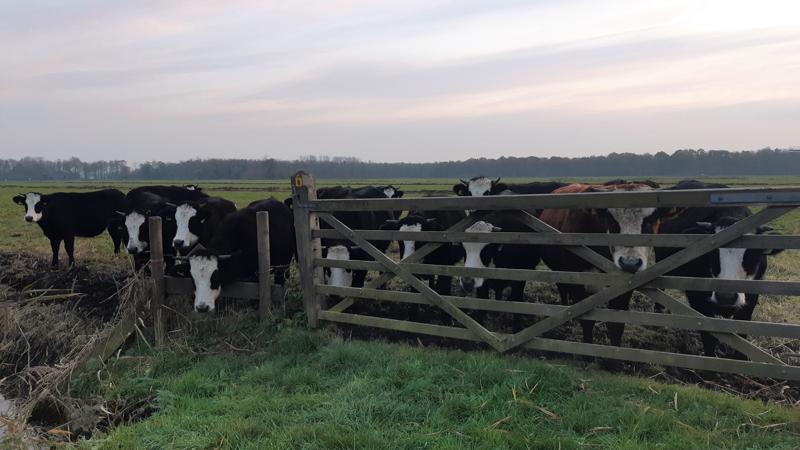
x,y
283,387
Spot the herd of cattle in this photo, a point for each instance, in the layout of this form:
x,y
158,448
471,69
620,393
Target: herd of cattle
x,y
216,243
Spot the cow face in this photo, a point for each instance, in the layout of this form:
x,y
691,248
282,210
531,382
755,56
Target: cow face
x,y
478,255
337,276
138,232
205,272
630,221
34,205
188,221
391,191
734,263
478,187
411,223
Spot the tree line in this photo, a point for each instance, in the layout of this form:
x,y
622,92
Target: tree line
x,y
680,163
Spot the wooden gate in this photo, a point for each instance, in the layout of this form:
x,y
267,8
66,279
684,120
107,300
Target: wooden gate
x,y
308,211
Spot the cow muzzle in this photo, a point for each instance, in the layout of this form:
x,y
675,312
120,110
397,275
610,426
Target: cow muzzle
x,y
728,299
630,264
28,219
202,308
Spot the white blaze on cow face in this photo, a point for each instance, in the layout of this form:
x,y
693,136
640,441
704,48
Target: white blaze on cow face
x,y
31,200
202,268
408,246
479,186
338,276
182,215
388,192
731,267
133,222
630,221
473,250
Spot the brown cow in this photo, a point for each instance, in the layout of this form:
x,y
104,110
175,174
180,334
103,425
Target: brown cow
x,y
602,220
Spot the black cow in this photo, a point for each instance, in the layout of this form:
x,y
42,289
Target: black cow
x,y
447,254
173,193
64,215
232,252
195,221
724,263
480,186
602,220
482,255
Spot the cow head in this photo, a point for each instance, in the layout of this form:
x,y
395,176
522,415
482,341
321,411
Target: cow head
x,y
190,218
734,263
139,231
478,254
411,223
337,276
207,270
629,221
478,187
34,204
193,187
390,191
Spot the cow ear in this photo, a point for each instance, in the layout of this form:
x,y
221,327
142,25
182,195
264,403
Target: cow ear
x,y
120,213
432,221
19,199
495,182
498,187
398,194
461,189
772,251
496,229
764,229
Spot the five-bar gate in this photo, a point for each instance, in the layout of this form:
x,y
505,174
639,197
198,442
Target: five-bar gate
x,y
308,211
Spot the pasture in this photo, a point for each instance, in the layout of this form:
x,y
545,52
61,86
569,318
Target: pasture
x,y
275,385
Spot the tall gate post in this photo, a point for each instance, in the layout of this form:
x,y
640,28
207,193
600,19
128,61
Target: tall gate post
x,y
264,278
308,248
157,275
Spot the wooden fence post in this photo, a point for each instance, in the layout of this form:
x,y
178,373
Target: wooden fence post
x,y
264,278
308,248
157,275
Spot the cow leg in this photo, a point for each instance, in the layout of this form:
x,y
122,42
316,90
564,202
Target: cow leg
x,y
69,246
358,278
705,307
55,245
745,313
615,330
116,237
444,285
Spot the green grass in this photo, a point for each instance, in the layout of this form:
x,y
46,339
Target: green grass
x,y
307,390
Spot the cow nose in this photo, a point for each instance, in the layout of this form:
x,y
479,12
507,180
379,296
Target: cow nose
x,y
726,298
630,264
177,243
133,250
201,308
468,284
28,219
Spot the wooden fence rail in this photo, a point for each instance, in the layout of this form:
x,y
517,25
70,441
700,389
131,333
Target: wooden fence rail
x,y
609,280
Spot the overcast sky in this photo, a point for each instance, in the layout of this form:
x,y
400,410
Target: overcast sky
x,y
395,80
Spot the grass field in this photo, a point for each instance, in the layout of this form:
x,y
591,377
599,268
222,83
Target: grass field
x,y
277,385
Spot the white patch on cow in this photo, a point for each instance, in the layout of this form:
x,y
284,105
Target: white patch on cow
x,y
630,221
31,200
479,186
408,246
202,268
182,215
388,192
731,267
133,222
473,249
339,276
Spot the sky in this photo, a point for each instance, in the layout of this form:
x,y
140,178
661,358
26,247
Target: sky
x,y
395,80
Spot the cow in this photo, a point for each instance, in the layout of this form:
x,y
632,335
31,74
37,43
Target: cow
x,y
64,215
602,220
723,263
173,193
232,252
342,249
447,254
508,256
195,221
481,185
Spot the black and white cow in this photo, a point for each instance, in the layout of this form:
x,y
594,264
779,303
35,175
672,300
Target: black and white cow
x,y
602,220
232,252
358,220
64,215
447,254
146,201
723,263
195,221
480,186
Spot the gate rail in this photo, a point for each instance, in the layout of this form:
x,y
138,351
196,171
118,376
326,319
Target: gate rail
x,y
610,280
